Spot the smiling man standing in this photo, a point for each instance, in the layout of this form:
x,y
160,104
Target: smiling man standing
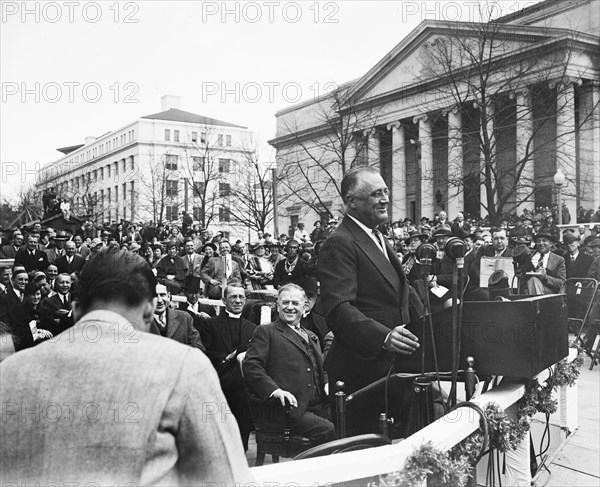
x,y
364,296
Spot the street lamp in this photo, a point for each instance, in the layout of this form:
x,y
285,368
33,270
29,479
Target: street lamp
x,y
559,180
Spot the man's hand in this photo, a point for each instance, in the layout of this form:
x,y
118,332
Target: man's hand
x,y
283,395
203,315
542,272
214,282
400,340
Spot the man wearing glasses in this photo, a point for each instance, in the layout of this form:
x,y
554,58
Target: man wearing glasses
x,y
364,296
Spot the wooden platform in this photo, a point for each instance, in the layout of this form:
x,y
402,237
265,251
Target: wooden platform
x,y
577,460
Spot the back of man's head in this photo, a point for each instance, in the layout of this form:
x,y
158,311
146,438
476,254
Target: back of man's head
x,y
116,275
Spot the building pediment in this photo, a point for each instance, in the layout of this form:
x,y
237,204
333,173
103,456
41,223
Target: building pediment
x,y
406,65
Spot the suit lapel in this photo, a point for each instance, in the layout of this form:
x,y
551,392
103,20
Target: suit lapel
x,y
172,323
291,335
374,253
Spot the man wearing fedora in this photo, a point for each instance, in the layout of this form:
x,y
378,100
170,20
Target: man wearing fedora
x,y
198,311
577,263
56,247
550,270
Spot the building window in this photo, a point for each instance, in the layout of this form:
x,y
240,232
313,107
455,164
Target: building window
x,y
228,141
220,140
224,213
108,198
124,191
203,137
199,188
171,189
116,194
171,161
224,189
194,136
132,184
197,213
176,135
116,168
167,135
171,212
124,165
108,169
197,163
131,159
224,165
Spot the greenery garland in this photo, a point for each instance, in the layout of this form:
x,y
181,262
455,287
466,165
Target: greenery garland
x,y
434,468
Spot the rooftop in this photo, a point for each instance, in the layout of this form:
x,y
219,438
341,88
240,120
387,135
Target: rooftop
x,y
176,115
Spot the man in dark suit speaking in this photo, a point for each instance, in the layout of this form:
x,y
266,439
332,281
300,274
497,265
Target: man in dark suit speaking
x,y
364,296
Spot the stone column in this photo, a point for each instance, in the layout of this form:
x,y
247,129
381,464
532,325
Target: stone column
x,y
455,163
588,185
426,140
524,151
489,117
566,153
399,203
373,147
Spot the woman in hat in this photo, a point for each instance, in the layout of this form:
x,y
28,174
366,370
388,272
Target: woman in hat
x,y
259,268
208,251
550,227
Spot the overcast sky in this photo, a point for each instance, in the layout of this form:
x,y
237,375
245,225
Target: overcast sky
x,y
73,69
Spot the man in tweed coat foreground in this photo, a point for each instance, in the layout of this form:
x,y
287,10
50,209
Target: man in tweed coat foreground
x,y
104,402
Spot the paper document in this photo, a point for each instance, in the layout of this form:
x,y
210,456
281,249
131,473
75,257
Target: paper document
x,y
491,264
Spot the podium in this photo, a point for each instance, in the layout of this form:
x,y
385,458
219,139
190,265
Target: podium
x,y
512,338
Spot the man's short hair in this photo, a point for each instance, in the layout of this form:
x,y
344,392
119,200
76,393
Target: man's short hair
x,y
291,287
232,284
116,275
350,180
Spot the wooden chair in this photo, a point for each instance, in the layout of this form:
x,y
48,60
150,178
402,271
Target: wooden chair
x,y
272,427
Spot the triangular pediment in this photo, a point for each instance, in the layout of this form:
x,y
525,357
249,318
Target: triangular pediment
x,y
405,65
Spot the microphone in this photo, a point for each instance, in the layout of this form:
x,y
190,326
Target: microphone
x,y
426,254
455,250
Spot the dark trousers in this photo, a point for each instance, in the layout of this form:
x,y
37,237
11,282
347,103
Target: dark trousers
x,y
314,426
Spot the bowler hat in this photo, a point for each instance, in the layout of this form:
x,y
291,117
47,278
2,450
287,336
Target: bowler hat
x,y
442,231
569,237
61,235
191,283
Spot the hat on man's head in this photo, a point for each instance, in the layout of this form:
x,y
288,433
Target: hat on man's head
x,y
424,218
547,235
134,247
191,283
61,235
594,242
522,239
256,245
569,237
442,231
414,234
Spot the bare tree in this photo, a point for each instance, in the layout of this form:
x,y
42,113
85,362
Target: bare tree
x,y
252,192
311,172
203,170
153,189
509,93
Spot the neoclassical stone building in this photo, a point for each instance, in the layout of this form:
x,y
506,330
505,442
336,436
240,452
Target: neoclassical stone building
x,y
459,116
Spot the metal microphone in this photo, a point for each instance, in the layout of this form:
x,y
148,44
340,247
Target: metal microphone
x,y
455,250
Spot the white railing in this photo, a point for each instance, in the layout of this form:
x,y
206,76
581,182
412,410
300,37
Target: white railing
x,y
443,433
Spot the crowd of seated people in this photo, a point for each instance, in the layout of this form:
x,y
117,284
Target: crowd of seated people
x,y
37,292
